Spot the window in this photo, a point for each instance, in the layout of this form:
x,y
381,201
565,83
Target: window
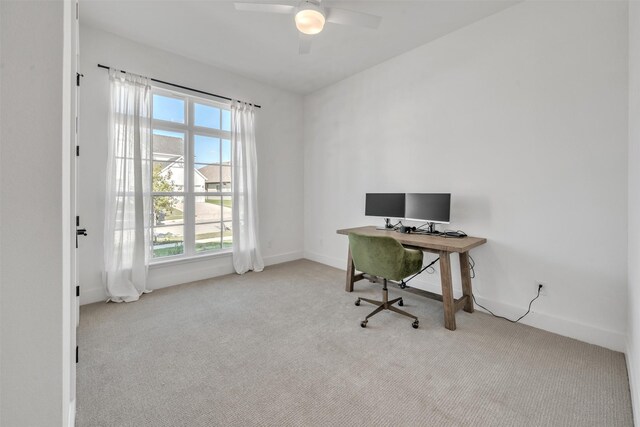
x,y
192,199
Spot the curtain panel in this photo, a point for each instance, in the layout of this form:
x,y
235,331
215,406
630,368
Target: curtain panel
x,y
246,246
127,242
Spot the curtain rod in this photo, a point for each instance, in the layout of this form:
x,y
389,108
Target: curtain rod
x,y
183,87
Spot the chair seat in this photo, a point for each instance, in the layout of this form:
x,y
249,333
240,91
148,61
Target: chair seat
x,y
384,257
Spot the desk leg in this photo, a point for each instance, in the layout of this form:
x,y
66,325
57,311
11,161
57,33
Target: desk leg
x,y
350,273
465,272
447,292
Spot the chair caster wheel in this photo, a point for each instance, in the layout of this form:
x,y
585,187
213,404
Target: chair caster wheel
x,y
363,323
415,324
400,303
358,301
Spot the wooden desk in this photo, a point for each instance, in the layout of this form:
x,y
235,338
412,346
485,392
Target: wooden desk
x,y
443,247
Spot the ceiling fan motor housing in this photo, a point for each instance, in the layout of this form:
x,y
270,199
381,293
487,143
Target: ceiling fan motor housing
x,y
310,17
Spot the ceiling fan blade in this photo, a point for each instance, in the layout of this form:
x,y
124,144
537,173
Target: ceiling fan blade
x,y
304,44
262,7
350,17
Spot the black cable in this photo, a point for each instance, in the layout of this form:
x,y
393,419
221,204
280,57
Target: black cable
x,y
403,283
472,264
453,234
502,317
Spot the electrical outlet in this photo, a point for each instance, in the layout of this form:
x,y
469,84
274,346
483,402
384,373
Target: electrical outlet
x,y
545,288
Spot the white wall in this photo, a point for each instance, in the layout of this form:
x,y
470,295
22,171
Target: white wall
x,y
633,327
280,155
34,306
523,118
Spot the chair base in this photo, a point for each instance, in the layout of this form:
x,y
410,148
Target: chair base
x,y
385,304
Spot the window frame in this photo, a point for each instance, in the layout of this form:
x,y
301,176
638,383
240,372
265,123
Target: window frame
x,y
189,195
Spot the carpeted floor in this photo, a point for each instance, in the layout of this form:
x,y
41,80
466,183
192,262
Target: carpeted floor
x,y
284,348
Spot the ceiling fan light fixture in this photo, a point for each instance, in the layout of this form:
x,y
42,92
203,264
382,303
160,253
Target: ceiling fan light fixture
x,y
310,19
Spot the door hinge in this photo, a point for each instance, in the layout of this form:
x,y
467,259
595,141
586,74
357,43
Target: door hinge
x,y
76,354
77,151
77,11
78,75
77,220
77,290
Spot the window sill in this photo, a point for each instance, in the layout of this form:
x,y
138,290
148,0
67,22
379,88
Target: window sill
x,y
187,260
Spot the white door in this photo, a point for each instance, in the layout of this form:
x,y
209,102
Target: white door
x,y
75,303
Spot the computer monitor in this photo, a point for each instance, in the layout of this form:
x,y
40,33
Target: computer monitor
x,y
387,205
428,207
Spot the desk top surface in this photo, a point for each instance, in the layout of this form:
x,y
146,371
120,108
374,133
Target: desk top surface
x,y
423,241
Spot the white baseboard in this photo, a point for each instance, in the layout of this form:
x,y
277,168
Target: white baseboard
x,y
279,259
591,334
340,263
165,275
72,414
89,296
569,328
632,371
169,275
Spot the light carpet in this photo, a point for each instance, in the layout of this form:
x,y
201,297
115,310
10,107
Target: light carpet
x,y
285,348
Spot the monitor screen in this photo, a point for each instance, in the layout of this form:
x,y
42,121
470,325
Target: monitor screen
x,y
388,205
429,207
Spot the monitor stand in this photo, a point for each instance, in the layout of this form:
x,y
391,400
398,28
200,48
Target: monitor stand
x,y
431,229
387,225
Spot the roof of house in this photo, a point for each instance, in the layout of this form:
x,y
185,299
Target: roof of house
x,y
167,145
212,173
171,148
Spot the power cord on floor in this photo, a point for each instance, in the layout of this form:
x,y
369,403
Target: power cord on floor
x,y
472,264
502,317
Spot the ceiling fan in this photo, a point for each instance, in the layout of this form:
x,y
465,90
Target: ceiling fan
x,y
310,17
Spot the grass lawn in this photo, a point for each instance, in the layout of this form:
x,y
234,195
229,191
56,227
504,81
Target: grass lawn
x,y
201,247
228,203
207,246
174,214
169,244
213,234
174,245
172,250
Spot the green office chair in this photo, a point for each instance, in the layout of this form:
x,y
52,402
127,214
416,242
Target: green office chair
x,y
384,258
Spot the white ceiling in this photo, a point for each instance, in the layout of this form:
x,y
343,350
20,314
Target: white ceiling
x,y
264,46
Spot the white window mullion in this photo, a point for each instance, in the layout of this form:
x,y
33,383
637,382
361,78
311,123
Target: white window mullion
x,y
220,191
189,222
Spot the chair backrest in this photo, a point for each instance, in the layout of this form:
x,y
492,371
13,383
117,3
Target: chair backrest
x,y
380,256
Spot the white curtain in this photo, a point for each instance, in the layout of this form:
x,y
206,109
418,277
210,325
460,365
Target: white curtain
x,y
246,248
128,202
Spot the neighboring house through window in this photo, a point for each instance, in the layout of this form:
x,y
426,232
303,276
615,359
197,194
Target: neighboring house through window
x,y
192,205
